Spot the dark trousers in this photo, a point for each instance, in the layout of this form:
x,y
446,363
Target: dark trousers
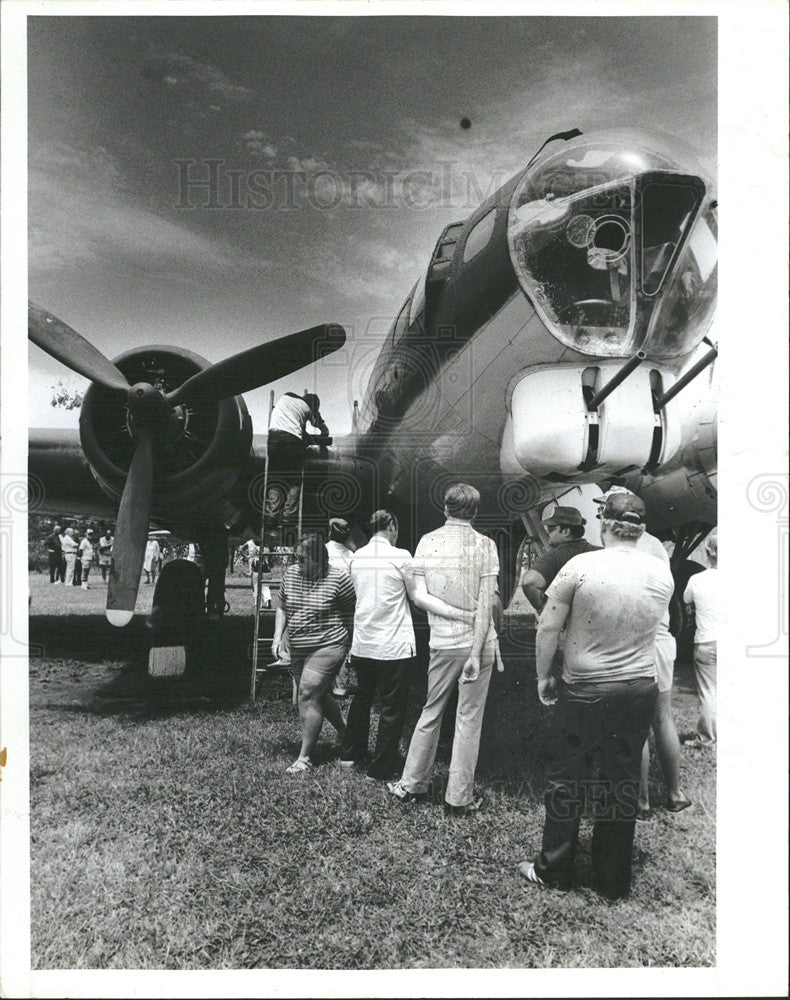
x,y
286,457
54,566
611,729
391,677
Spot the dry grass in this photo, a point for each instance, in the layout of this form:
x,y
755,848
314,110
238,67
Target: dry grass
x,y
165,833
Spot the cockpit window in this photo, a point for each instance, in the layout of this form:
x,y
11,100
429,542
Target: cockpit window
x,y
666,209
480,235
598,234
688,302
575,254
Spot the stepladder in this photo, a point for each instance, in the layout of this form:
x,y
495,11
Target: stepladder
x,y
273,558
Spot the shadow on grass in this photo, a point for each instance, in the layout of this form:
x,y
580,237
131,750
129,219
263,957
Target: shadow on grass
x,y
89,666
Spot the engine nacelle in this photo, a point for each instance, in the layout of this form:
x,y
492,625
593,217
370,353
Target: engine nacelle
x,y
200,452
684,491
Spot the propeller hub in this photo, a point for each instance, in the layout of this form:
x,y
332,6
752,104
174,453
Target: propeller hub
x,y
146,403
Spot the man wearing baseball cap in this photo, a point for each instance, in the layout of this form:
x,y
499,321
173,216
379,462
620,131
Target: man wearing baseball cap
x,y
565,529
664,729
612,602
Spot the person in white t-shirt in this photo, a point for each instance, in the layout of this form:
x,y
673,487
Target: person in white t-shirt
x,y
151,560
69,546
85,550
286,447
612,602
664,728
383,647
458,566
702,592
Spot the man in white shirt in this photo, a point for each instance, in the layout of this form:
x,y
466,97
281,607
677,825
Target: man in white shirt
x,y
702,592
458,566
69,547
383,647
286,447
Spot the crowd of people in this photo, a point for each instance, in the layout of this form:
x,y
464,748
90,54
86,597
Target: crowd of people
x,y
70,560
605,657
605,654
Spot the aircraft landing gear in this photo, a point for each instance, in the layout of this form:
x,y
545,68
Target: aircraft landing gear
x,y
182,614
176,619
214,546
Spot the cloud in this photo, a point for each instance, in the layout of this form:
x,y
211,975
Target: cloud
x,y
180,72
81,211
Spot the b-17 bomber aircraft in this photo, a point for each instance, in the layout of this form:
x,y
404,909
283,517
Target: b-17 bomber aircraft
x,y
548,346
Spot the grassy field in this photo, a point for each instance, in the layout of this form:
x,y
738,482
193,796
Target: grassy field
x,y
165,833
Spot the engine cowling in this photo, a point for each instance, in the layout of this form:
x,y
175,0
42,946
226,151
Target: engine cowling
x,y
684,491
200,452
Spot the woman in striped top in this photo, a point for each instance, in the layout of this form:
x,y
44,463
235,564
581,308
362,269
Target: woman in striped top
x,y
316,603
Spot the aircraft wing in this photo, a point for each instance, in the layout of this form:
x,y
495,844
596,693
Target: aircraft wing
x,y
62,482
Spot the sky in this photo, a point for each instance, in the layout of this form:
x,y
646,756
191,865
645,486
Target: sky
x,y
339,158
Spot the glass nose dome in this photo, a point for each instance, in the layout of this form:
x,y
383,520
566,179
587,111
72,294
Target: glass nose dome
x,y
613,239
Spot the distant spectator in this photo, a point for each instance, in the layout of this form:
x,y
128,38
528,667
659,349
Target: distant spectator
x,y
702,593
565,530
62,558
54,554
316,605
77,566
86,556
69,546
105,553
151,560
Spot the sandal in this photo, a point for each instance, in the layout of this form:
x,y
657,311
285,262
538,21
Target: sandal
x,y
527,871
299,766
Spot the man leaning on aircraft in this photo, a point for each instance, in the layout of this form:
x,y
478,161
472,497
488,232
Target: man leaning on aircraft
x,y
565,529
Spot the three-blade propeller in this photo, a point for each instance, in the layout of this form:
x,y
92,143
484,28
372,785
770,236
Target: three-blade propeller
x,y
149,408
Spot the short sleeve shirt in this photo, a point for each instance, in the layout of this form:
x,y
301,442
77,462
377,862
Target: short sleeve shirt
x,y
454,559
552,560
290,415
383,627
703,592
317,610
617,598
339,555
68,545
86,550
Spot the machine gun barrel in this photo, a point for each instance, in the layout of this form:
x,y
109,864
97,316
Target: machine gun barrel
x,y
684,380
631,365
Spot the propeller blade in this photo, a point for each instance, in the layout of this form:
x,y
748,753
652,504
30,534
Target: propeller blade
x,y
60,341
131,534
259,365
